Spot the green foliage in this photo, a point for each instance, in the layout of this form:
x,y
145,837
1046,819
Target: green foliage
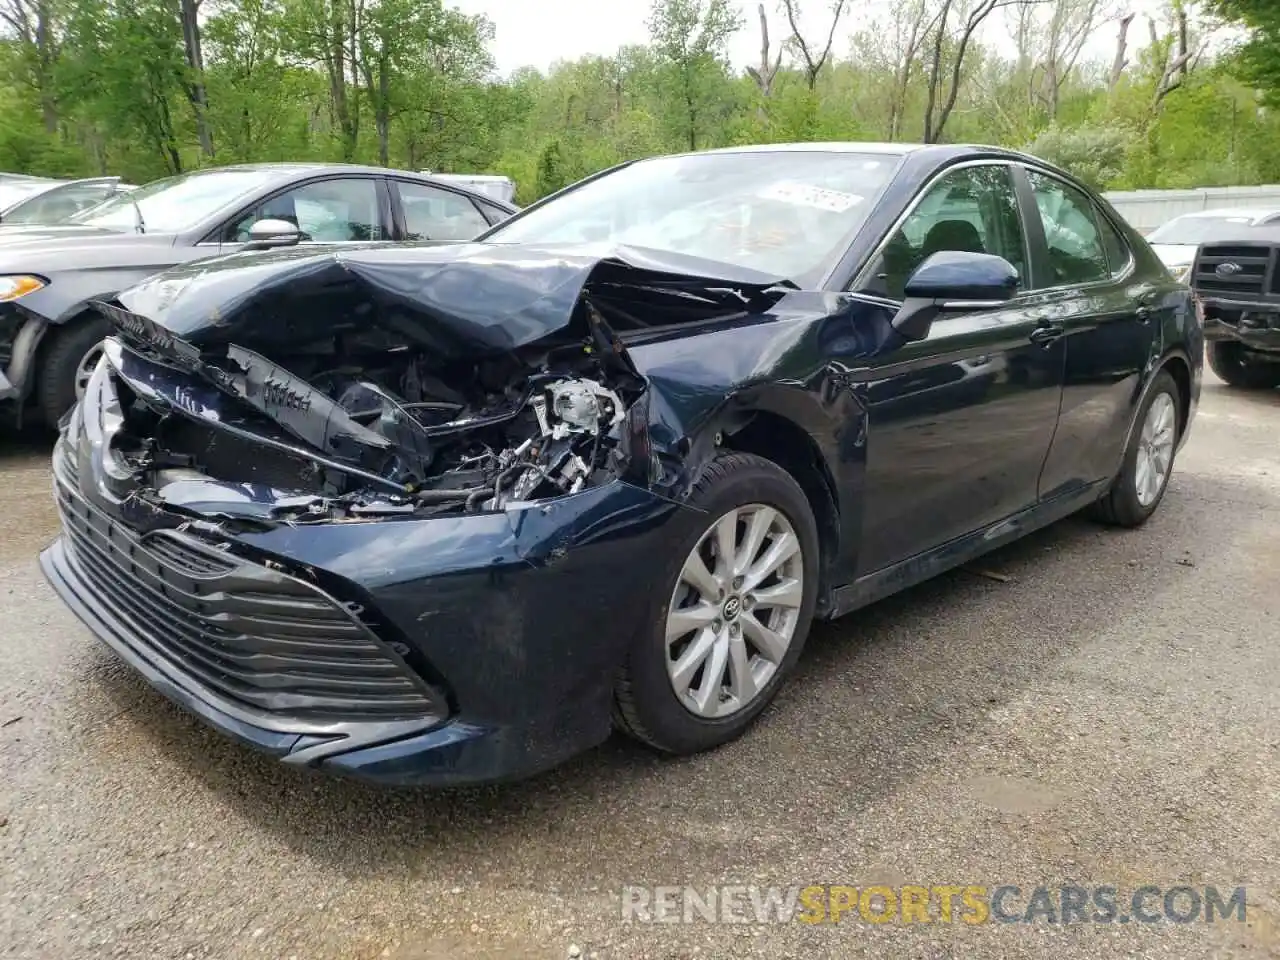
x,y
116,86
1095,154
1258,62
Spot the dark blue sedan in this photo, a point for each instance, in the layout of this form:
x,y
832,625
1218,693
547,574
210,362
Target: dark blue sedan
x,y
434,514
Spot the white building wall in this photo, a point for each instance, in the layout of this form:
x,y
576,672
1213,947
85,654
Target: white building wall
x,y
1148,209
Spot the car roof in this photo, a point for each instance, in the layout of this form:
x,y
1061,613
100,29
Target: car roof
x,y
941,151
286,171
1253,214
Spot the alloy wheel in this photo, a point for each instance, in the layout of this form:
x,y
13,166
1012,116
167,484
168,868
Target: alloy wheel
x,y
85,368
734,610
1155,450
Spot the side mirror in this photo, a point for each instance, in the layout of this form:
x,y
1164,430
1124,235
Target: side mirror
x,y
265,234
953,281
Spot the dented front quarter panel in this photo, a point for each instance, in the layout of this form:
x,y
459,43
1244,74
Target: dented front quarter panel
x,y
790,362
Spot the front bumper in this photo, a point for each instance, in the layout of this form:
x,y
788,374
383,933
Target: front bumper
x,y
504,630
1255,326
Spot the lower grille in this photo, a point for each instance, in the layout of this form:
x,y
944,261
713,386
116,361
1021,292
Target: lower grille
x,y
250,634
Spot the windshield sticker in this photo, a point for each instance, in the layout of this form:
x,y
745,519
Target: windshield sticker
x,y
804,195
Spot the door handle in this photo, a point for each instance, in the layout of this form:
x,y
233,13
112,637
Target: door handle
x,y
1143,313
1046,334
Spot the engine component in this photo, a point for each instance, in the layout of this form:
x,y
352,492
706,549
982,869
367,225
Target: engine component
x,y
582,406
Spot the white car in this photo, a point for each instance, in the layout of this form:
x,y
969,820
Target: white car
x,y
1177,241
40,200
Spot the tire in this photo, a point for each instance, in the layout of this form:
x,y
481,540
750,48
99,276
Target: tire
x,y
1124,505
647,705
64,352
1230,361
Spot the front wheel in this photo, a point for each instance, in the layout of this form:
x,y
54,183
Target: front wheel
x,y
1148,460
730,611
1237,367
70,356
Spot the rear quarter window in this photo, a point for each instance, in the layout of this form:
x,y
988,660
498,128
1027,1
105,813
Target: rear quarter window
x,y
1119,255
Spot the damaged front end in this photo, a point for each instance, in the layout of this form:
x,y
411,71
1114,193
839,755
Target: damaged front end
x,y
404,404
382,511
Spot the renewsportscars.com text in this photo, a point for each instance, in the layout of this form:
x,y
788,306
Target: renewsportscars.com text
x,y
971,904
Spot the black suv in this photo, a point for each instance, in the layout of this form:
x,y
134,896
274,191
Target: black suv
x,y
1237,288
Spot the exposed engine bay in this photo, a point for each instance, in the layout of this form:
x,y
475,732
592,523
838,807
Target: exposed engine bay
x,y
401,438
369,405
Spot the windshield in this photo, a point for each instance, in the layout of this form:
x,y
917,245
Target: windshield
x,y
176,203
1193,231
783,213
12,192
57,204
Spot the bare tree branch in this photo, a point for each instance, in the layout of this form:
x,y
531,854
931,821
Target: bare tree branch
x,y
764,74
1121,59
812,66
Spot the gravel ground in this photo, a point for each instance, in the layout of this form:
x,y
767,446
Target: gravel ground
x,y
1107,715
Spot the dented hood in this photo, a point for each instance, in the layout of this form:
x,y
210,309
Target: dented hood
x,y
456,300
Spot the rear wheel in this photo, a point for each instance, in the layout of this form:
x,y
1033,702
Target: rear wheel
x,y
1237,367
730,611
1148,460
69,358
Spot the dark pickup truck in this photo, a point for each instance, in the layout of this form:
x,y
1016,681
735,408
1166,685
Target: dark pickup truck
x,y
1237,289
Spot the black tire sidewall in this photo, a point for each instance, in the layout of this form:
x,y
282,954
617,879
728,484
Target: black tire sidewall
x,y
736,480
1229,361
56,386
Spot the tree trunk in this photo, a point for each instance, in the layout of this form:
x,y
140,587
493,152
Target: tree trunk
x,y
46,54
935,72
382,118
196,90
1121,59
336,66
691,106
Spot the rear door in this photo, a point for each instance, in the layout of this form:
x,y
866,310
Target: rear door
x,y
1108,312
426,212
959,423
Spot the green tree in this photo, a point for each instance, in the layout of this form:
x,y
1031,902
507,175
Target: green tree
x,y
689,38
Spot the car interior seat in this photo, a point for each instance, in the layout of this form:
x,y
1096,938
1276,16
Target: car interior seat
x,y
960,235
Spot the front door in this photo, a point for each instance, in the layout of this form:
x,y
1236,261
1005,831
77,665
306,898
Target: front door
x,y
350,209
1111,318
958,423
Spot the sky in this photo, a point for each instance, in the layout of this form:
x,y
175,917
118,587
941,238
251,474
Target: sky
x,y
539,32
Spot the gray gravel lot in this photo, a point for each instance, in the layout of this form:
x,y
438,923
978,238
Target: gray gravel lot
x,y
1111,714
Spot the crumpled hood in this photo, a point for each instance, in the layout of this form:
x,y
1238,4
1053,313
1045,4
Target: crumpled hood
x,y
458,300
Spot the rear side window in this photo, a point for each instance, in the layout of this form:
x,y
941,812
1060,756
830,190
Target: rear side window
x,y
1076,247
1117,249
434,214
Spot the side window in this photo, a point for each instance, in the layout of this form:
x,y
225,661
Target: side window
x,y
973,209
434,214
326,211
1117,248
1076,251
